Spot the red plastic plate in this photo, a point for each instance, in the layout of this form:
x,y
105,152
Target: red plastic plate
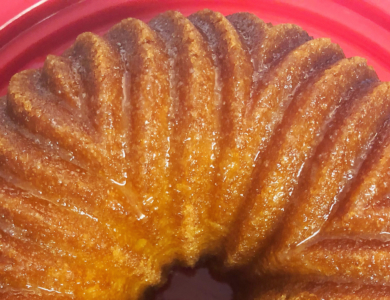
x,y
32,29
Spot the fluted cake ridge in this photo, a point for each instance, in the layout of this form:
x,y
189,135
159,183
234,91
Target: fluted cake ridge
x,y
183,138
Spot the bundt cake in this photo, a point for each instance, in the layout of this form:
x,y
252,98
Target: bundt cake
x,y
253,145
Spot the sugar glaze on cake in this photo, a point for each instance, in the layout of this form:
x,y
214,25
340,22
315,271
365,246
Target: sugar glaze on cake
x,y
183,138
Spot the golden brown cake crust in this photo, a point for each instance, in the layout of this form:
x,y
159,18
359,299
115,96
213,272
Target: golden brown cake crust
x,y
208,136
324,291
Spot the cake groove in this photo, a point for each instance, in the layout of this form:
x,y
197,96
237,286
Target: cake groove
x,y
234,69
146,106
341,157
185,138
328,290
296,141
195,127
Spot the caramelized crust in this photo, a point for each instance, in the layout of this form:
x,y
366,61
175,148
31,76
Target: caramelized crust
x,y
335,166
196,137
233,70
146,107
266,44
365,211
294,144
324,291
195,128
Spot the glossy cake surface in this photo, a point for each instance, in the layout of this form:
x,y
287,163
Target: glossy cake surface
x,y
208,136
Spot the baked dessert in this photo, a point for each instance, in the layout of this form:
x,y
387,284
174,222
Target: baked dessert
x,y
327,290
194,137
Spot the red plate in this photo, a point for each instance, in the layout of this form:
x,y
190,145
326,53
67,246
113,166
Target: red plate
x,y
31,29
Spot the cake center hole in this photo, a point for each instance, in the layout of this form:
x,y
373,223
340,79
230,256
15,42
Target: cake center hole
x,y
194,284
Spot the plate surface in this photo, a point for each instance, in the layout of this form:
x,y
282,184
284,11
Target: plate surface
x,y
32,29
